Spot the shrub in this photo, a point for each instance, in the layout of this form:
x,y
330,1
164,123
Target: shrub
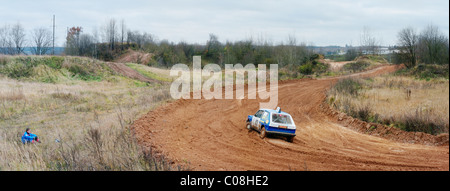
x,y
348,86
426,71
16,70
54,62
320,67
357,66
50,69
306,69
420,121
3,61
363,113
44,73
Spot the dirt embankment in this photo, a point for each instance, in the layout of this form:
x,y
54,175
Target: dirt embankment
x,y
335,66
211,135
137,57
384,131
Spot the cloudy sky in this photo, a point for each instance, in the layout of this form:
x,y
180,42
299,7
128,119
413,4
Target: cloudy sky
x,y
321,23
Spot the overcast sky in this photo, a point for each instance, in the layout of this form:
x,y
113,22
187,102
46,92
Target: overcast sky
x,y
326,22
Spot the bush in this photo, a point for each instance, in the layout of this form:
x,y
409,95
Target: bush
x,y
16,70
348,86
420,122
320,67
22,67
426,71
306,69
363,113
50,69
357,66
54,62
313,67
83,73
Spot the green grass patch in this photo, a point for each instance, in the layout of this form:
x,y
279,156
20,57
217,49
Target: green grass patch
x,y
53,69
146,73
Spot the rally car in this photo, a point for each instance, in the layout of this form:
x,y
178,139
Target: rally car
x,y
269,121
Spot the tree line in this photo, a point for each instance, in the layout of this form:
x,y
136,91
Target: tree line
x,y
430,46
117,38
13,40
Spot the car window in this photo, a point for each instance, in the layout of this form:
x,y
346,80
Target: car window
x,y
264,116
259,113
281,118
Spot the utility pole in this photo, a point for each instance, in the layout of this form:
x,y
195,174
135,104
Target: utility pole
x,y
53,53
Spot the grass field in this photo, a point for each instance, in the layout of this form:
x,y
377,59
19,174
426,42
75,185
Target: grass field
x,y
404,102
82,123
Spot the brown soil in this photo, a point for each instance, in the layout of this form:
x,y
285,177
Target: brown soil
x,y
211,135
135,57
335,66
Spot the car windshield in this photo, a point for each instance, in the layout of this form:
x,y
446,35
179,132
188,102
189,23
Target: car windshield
x,y
281,118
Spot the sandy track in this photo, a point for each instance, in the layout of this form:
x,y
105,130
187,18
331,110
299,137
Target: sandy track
x,y
211,135
336,66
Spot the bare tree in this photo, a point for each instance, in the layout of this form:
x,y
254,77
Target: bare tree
x,y
96,40
291,49
42,41
408,41
111,33
5,42
86,46
122,33
213,48
139,39
17,35
433,46
368,43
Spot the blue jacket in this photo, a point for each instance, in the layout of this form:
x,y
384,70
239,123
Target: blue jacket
x,y
28,137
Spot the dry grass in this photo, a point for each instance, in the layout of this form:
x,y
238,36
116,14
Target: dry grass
x,y
82,125
403,102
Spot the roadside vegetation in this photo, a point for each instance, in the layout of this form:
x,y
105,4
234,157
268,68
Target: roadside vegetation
x,y
415,98
363,63
80,109
395,100
151,72
53,69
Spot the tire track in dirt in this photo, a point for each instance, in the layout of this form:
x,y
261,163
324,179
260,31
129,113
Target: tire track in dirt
x,y
211,135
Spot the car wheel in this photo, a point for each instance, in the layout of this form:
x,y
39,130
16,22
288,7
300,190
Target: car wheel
x,y
249,127
290,139
263,133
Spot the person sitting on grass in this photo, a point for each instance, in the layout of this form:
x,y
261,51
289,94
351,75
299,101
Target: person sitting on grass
x,y
28,137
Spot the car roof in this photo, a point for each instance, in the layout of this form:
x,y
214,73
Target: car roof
x,y
274,111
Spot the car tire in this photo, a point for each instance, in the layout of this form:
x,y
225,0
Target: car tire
x,y
263,133
249,127
290,139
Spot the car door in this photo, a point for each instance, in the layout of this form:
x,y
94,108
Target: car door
x,y
264,117
255,119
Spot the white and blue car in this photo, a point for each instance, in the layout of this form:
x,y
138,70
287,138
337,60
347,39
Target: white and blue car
x,y
269,121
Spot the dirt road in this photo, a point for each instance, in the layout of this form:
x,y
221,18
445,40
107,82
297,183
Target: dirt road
x,y
211,135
